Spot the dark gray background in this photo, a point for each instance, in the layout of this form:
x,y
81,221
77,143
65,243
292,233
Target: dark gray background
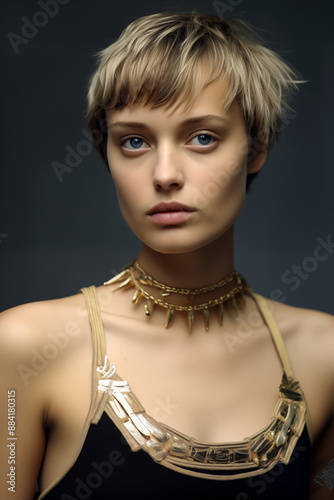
x,y
57,237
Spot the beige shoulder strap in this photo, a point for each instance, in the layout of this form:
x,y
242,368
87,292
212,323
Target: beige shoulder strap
x,y
275,333
280,347
98,401
99,347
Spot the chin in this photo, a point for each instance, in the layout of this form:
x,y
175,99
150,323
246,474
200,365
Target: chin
x,y
180,244
182,239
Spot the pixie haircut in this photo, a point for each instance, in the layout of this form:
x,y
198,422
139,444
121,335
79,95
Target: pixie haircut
x,y
167,59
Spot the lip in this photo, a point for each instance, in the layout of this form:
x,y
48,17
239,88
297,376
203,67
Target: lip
x,y
170,213
169,206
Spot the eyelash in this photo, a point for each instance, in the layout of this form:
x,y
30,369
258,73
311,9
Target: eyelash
x,y
213,140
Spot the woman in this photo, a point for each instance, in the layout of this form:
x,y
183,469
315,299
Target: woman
x,y
183,108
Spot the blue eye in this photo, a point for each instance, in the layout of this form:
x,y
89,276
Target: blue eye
x,y
202,139
134,143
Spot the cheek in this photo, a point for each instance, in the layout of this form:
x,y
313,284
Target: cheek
x,y
231,176
221,185
129,181
129,193
234,191
125,194
236,177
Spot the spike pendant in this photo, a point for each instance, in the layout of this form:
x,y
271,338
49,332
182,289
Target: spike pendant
x,y
234,298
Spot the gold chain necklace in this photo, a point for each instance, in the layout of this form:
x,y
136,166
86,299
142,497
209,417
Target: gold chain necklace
x,y
235,297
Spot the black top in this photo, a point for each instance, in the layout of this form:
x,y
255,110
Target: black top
x,y
107,469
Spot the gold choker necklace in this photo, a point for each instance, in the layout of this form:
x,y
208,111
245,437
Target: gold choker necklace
x,y
234,298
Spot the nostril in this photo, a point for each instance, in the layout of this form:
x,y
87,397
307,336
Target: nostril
x,y
160,186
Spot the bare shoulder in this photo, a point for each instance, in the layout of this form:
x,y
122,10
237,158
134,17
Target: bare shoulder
x,y
28,325
312,329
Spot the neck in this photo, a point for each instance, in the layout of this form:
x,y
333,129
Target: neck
x,y
200,267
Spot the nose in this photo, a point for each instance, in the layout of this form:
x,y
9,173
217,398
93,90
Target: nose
x,y
168,173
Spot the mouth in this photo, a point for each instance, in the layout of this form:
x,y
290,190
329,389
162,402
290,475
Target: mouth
x,y
170,213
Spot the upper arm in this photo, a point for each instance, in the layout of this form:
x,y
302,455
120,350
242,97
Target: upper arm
x,y
322,463
22,406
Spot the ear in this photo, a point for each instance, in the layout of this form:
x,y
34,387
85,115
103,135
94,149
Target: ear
x,y
257,163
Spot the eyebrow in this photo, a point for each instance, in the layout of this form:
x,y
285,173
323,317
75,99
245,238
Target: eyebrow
x,y
189,121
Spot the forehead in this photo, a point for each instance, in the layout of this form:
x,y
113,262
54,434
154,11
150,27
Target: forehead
x,y
212,101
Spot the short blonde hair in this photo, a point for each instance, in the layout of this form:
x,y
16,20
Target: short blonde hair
x,y
166,59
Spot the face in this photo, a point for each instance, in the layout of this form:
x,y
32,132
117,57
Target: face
x,y
180,176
